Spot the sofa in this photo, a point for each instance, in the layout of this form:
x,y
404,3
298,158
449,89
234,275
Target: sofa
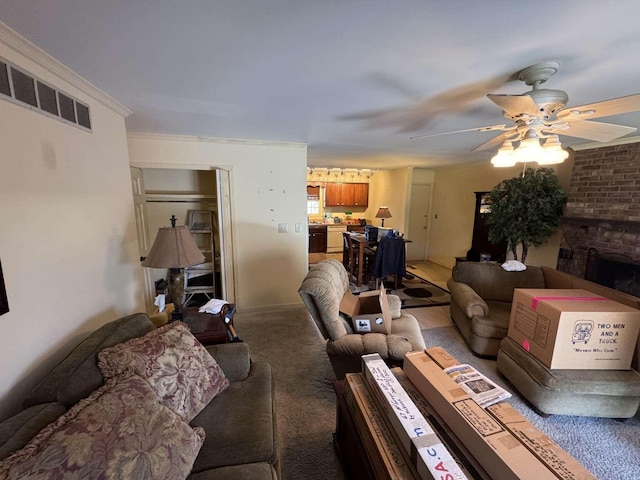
x,y
322,290
221,427
481,295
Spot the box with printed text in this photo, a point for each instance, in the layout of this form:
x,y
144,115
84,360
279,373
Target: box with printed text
x,y
574,329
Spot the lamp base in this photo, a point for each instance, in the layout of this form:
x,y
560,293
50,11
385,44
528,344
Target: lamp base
x,y
382,222
176,290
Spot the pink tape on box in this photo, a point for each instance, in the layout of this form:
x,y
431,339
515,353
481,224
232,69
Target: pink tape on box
x,y
535,300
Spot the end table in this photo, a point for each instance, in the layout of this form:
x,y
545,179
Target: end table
x,y
208,328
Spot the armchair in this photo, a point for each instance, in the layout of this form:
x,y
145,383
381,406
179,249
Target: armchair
x,y
481,295
322,290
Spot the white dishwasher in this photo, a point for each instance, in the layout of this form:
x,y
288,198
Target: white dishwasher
x,y
335,242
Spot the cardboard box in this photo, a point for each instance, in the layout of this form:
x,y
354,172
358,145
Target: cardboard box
x,y
369,311
379,443
501,454
431,457
574,329
546,450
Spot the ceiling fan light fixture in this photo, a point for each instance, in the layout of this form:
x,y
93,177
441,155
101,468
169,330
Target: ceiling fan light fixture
x,y
529,149
553,152
505,156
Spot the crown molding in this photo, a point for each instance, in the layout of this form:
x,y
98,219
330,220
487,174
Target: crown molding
x,y
32,52
613,143
218,140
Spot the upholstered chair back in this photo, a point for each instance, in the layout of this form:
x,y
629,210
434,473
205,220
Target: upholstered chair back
x,y
493,283
321,291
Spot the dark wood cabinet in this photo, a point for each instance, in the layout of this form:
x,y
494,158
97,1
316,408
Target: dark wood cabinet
x,y
317,238
481,247
346,195
361,194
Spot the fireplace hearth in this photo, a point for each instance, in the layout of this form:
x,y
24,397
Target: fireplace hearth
x,y
613,270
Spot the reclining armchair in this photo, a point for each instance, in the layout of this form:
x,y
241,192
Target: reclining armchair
x,y
322,290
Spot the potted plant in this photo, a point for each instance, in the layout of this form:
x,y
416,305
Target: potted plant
x,y
525,210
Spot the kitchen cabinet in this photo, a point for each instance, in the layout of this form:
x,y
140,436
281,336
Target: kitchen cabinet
x,y
317,238
346,195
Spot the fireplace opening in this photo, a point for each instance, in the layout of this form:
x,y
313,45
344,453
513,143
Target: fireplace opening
x,y
613,270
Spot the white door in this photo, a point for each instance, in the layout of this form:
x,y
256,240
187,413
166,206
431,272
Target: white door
x,y
418,222
142,228
226,243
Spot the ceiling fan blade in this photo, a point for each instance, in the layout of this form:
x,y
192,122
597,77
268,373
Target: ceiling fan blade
x,y
515,105
597,131
480,129
496,141
615,106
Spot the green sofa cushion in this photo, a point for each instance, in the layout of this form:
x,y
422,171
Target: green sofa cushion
x,y
240,423
78,375
17,431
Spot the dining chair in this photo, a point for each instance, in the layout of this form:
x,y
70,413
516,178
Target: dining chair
x,y
390,260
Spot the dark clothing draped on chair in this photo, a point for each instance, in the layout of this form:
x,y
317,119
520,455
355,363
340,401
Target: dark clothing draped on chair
x,y
391,259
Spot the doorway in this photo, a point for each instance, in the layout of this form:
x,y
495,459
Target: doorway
x,y
160,193
418,231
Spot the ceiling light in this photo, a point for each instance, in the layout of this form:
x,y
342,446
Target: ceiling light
x,y
505,156
553,152
530,150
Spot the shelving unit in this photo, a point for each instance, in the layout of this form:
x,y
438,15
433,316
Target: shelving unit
x,y
201,279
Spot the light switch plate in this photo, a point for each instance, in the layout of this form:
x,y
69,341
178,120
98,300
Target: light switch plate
x,y
283,228
298,228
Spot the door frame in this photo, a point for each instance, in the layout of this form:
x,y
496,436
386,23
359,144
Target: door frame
x,y
227,258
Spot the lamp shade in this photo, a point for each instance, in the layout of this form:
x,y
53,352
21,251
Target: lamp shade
x,y
174,247
383,212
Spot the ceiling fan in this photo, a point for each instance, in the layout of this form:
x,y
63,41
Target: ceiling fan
x,y
542,114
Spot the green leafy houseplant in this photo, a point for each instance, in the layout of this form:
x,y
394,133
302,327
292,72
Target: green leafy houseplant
x,y
525,210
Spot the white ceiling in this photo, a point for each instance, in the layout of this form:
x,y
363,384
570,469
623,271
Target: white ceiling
x,y
288,70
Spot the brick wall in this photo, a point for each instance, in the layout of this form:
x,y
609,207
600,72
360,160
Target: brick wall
x,y
603,206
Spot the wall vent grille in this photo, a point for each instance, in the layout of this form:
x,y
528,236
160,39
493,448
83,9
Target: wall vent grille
x,y
24,89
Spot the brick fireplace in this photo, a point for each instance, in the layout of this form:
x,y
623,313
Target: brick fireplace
x,y
601,223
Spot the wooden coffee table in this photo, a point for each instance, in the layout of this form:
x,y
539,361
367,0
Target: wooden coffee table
x,y
206,327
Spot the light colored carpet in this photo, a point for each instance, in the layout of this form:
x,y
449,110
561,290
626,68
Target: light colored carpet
x,y
606,447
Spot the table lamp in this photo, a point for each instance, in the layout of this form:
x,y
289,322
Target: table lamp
x,y
174,248
383,212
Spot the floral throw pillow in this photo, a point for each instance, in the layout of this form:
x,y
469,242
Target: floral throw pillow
x,y
180,370
120,431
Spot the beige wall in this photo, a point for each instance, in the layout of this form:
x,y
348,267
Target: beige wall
x,y
68,244
268,187
390,188
453,210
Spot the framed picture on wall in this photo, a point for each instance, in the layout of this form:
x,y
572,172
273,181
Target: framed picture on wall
x,y
4,303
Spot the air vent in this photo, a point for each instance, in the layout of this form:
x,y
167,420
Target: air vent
x,y
5,88
83,115
66,107
47,96
23,89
